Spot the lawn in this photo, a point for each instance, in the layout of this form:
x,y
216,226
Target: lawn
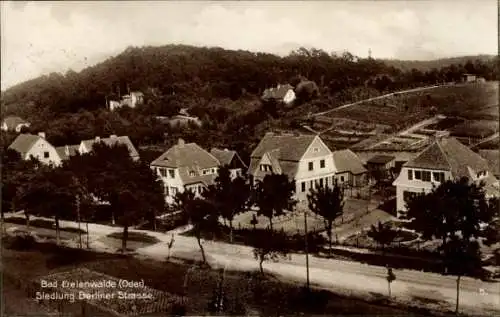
x,y
135,240
493,144
246,293
42,223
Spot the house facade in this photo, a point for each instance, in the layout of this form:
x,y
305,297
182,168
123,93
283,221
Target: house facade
x,y
14,123
87,145
443,160
350,169
281,93
231,159
185,166
305,159
29,145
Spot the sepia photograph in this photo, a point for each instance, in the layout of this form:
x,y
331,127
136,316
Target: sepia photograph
x,y
250,158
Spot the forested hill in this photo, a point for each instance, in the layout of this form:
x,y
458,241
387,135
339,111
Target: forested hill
x,y
425,65
221,87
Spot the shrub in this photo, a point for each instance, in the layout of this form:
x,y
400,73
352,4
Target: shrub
x,y
20,241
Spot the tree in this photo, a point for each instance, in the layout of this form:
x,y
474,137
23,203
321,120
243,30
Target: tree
x,y
230,196
269,245
327,202
454,206
383,234
201,213
274,196
492,231
462,256
131,188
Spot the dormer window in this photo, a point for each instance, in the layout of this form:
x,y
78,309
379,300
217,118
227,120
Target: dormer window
x,y
316,149
482,174
191,173
266,168
163,172
171,173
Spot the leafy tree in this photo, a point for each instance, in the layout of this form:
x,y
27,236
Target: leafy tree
x,y
274,196
201,213
383,234
327,202
131,188
462,256
457,205
230,196
269,245
492,230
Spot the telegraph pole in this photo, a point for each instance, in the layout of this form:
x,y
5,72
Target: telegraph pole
x,y
307,248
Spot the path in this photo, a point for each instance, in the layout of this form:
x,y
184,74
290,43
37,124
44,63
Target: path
x,y
491,137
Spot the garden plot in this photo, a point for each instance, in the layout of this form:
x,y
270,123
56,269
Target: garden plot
x,y
475,128
109,293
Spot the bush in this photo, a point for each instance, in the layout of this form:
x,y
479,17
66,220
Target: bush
x,y
20,241
310,300
135,236
42,223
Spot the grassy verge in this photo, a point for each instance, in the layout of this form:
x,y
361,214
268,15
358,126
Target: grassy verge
x,y
42,223
135,236
246,293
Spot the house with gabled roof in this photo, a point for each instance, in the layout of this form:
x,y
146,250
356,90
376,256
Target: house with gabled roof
x,y
305,158
66,151
87,145
14,123
445,159
185,166
350,168
36,146
231,159
281,93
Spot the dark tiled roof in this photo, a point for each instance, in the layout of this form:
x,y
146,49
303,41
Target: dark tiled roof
x,y
191,160
61,150
381,159
23,143
226,156
493,158
347,161
451,155
113,140
277,92
291,147
13,121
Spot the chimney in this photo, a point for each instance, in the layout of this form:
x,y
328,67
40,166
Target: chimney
x,y
181,142
66,150
41,134
97,138
113,136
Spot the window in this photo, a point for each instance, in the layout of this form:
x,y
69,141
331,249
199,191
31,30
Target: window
x,y
410,175
418,175
166,191
426,176
326,181
438,176
311,166
171,173
303,186
341,178
320,182
322,163
173,190
408,195
311,185
315,149
191,173
266,168
46,154
200,189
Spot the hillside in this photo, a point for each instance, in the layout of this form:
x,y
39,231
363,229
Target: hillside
x,y
221,87
426,65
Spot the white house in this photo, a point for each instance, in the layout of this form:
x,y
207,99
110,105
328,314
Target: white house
x,y
86,145
282,93
29,145
185,166
303,158
445,159
350,169
14,123
231,159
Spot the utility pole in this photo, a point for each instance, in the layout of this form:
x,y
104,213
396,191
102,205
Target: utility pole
x,y
307,248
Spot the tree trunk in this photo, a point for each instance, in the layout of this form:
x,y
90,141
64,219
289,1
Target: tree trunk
x,y
198,237
57,230
330,242
458,294
271,223
389,286
3,222
124,238
231,231
261,261
27,219
113,218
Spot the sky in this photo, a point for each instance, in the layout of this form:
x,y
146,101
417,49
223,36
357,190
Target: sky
x,y
42,37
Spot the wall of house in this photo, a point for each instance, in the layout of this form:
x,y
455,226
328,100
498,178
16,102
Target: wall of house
x,y
415,185
235,172
44,152
316,152
174,184
289,97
